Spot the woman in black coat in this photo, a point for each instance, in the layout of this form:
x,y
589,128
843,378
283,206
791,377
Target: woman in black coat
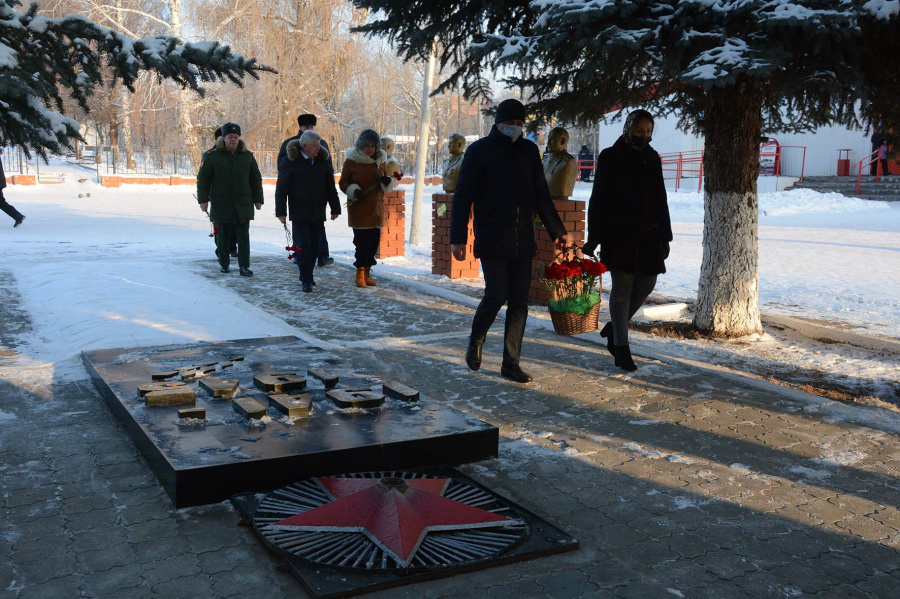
x,y
628,218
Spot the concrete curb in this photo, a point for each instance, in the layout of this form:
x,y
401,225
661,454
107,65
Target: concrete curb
x,y
831,335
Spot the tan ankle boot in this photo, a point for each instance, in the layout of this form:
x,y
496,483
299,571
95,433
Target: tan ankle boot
x,y
369,280
360,277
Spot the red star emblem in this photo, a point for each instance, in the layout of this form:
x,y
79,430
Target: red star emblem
x,y
394,513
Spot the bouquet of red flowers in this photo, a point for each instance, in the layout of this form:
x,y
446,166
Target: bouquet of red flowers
x,y
572,283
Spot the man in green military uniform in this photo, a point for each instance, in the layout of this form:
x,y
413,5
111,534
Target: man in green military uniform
x,y
230,180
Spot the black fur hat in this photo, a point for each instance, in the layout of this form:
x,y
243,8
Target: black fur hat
x,y
306,120
228,128
368,137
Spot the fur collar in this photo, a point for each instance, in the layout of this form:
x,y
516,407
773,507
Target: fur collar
x,y
293,152
357,155
220,145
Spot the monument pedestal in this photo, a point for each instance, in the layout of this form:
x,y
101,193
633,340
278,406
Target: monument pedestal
x,y
442,262
393,234
572,213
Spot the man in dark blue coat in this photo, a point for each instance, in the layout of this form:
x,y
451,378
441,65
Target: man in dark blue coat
x,y
307,122
502,177
305,185
5,206
585,163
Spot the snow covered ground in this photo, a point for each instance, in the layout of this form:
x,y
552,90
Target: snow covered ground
x,y
109,270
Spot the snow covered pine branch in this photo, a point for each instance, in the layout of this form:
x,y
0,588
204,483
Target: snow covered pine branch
x,y
42,57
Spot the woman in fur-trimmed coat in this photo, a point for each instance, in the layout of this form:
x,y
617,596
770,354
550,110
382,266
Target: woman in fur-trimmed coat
x,y
364,179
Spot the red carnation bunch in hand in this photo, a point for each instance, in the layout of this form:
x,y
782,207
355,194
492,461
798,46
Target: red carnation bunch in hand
x,y
293,249
215,231
398,175
572,283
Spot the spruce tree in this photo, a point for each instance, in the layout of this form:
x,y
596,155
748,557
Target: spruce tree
x,y
43,58
732,70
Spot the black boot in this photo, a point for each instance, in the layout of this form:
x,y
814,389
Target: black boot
x,y
607,333
246,272
516,374
473,354
623,358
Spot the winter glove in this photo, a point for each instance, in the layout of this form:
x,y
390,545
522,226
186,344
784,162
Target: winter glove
x,y
385,181
358,194
589,248
665,249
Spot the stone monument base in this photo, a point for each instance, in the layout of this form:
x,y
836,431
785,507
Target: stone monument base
x,y
250,442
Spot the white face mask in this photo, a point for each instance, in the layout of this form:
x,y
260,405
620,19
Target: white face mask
x,y
511,131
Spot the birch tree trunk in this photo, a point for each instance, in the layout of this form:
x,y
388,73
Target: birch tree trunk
x,y
728,294
130,162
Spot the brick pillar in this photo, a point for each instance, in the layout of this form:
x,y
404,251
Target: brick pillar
x,y
572,214
442,263
393,233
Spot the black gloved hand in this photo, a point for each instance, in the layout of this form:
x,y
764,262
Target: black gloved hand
x,y
385,181
358,194
665,249
589,248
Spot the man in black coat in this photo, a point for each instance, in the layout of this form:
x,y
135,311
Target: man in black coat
x,y
5,206
307,122
502,177
585,163
305,185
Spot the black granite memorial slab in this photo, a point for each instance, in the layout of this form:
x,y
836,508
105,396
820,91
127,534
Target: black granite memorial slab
x,y
206,461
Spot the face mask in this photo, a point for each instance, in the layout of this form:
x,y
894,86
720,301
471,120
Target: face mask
x,y
640,142
511,131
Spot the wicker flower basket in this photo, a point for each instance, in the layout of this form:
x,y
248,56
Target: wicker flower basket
x,y
569,323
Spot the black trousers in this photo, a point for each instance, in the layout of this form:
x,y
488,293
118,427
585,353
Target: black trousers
x,y
9,208
323,245
307,236
241,232
366,242
505,282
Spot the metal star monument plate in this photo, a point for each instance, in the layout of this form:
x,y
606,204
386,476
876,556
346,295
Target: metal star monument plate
x,y
343,536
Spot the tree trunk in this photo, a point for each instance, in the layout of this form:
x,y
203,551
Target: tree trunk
x,y
728,294
130,162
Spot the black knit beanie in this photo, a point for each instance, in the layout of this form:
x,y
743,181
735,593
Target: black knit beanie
x,y
510,110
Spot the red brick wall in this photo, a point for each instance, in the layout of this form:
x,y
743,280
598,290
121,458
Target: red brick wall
x,y
442,263
393,233
572,214
22,179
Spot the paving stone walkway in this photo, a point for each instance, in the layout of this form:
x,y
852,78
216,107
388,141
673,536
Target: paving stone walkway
x,y
677,482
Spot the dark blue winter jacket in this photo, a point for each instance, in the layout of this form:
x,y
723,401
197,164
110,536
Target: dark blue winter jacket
x,y
504,181
305,188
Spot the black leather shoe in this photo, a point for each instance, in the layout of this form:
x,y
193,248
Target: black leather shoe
x,y
224,269
515,373
19,221
607,333
473,355
307,288
326,261
623,358
246,272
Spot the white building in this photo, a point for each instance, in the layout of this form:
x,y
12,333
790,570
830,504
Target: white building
x,y
821,146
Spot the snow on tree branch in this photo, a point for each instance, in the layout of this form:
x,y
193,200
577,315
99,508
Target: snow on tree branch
x,y
40,58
